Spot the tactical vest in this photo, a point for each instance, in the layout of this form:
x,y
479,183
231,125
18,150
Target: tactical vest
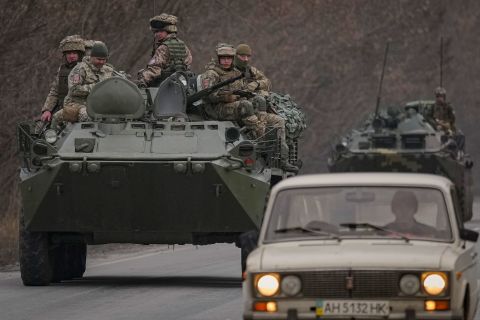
x,y
177,54
228,74
63,81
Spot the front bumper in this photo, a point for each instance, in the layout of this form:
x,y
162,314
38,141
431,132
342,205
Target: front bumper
x,y
305,309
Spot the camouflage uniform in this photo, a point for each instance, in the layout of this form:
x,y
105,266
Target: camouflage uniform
x,y
442,114
223,104
59,86
80,82
169,55
258,84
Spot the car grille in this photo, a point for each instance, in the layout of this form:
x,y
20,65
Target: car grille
x,y
366,284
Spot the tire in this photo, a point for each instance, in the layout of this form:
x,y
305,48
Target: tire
x,y
248,243
68,261
35,267
77,258
58,262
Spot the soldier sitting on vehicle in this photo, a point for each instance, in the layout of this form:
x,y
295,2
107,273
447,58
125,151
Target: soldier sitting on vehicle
x,y
224,104
404,206
169,55
73,50
81,80
441,114
258,86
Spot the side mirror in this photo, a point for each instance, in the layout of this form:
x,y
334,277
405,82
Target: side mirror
x,y
469,235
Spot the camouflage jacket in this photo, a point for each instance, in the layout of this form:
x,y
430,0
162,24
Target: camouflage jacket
x,y
442,115
160,61
255,81
215,74
82,79
58,88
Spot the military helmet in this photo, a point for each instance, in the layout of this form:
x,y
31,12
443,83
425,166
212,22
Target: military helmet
x,y
72,43
225,50
99,50
440,91
244,49
164,22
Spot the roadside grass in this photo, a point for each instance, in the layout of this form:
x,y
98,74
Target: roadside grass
x,y
8,240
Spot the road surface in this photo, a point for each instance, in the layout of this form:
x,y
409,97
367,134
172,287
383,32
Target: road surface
x,y
156,282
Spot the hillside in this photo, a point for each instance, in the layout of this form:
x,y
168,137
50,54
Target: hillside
x,y
325,53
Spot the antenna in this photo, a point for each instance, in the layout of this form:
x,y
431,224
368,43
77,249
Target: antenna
x,y
154,5
441,62
381,80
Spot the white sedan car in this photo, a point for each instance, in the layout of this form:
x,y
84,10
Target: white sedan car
x,y
363,246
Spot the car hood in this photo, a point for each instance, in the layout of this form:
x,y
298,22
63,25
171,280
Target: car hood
x,y
378,255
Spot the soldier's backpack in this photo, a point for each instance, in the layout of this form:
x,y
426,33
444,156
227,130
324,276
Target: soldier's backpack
x,y
284,106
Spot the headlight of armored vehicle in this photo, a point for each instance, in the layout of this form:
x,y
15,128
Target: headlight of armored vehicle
x,y
434,283
409,284
291,285
268,284
51,136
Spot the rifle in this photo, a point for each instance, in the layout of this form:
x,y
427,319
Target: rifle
x,y
244,94
206,92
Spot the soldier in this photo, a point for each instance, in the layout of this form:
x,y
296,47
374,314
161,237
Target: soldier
x,y
73,49
442,112
81,80
169,54
224,104
258,84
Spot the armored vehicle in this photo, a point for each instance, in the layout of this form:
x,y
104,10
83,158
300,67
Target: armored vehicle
x,y
407,140
149,168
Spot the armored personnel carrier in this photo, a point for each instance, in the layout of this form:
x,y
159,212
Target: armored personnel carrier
x,y
148,169
406,140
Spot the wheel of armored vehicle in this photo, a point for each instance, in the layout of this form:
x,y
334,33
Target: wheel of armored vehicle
x,y
68,261
35,267
77,258
58,260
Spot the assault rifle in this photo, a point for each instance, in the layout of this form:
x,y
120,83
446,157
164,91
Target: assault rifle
x,y
206,92
244,94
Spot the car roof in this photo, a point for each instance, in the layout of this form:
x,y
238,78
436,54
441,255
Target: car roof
x,y
364,179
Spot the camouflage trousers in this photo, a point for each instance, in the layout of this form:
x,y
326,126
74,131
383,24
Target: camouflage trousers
x,y
241,110
271,120
71,112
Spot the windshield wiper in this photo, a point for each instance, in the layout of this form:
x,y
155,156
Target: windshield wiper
x,y
354,225
309,230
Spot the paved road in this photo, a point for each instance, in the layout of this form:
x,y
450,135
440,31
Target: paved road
x,y
186,283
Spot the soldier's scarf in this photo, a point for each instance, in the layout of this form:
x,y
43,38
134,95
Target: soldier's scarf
x,y
241,65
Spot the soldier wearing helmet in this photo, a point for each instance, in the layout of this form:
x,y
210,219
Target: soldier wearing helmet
x,y
258,84
442,112
83,77
224,104
169,54
73,49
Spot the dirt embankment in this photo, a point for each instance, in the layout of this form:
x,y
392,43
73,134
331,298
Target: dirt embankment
x,y
325,53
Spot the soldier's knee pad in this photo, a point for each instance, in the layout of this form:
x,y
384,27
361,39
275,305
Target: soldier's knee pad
x,y
246,109
259,103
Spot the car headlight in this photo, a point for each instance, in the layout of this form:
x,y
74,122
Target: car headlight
x,y
51,136
409,284
268,284
434,283
291,285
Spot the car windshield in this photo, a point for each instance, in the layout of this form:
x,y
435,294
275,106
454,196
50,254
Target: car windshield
x,y
359,212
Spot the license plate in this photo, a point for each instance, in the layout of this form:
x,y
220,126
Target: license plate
x,y
352,308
